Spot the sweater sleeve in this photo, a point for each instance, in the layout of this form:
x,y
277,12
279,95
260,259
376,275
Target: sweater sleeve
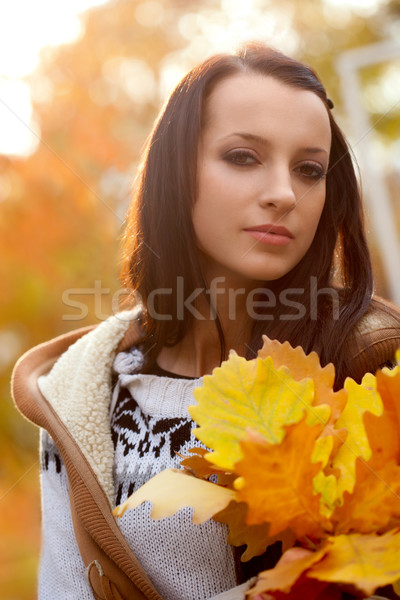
x,y
62,571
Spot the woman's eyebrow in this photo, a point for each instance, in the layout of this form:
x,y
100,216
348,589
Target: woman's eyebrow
x,y
264,142
316,150
248,136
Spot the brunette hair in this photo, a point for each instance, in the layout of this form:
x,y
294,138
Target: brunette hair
x,y
160,245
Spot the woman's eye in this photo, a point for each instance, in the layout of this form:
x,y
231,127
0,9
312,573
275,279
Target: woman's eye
x,y
311,171
241,158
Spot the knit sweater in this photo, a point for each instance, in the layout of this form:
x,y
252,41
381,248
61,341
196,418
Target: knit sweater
x,y
149,424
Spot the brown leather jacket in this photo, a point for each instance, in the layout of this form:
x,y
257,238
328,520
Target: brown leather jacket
x,y
375,338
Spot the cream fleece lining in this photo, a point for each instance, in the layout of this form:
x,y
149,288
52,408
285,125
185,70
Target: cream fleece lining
x,y
79,389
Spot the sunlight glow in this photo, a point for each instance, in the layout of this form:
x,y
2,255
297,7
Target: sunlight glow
x,y
361,7
383,94
149,13
26,27
222,30
124,75
16,125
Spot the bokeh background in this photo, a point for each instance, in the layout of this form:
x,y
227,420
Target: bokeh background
x,y
80,84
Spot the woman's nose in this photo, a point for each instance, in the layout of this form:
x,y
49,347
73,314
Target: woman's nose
x,y
277,190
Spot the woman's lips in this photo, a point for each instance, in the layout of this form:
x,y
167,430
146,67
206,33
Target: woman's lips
x,y
270,234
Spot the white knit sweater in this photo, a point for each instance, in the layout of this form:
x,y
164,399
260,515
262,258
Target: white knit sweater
x,y
149,422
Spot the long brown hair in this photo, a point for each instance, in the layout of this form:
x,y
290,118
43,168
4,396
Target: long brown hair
x,y
160,250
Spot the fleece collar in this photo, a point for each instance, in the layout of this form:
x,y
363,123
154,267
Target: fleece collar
x,y
79,389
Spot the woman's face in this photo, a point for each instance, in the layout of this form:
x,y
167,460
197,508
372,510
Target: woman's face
x,y
263,157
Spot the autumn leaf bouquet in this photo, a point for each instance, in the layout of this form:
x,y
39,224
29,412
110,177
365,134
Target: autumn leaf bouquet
x,y
291,459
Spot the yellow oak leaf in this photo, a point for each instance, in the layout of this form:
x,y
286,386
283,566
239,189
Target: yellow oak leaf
x,y
362,398
256,537
172,489
365,561
326,486
325,482
247,394
303,365
276,482
374,504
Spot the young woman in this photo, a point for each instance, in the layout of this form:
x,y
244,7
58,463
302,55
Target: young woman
x,y
246,220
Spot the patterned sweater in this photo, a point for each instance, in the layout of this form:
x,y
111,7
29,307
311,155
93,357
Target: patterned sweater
x,y
149,424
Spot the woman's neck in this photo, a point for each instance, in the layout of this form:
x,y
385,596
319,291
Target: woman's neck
x,y
199,352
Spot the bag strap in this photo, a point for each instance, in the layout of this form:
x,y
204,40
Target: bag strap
x,y
114,572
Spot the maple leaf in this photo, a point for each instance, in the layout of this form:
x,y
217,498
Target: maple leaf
x,y
365,561
277,482
172,489
243,394
256,537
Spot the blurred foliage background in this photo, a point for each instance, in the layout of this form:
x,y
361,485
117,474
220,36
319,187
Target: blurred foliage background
x,y
62,203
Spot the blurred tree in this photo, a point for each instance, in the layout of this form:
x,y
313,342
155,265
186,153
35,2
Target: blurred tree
x,y
61,214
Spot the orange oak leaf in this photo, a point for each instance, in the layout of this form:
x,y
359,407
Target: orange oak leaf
x,y
374,504
276,481
286,573
384,430
256,537
303,365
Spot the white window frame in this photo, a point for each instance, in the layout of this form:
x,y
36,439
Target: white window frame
x,y
383,217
